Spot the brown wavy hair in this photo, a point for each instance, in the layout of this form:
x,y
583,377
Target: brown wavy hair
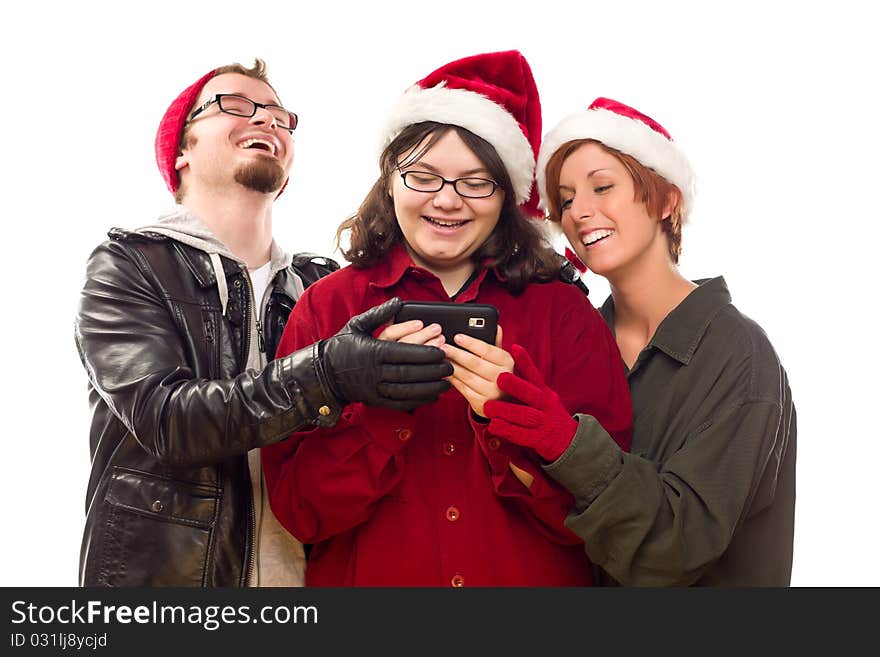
x,y
516,247
650,188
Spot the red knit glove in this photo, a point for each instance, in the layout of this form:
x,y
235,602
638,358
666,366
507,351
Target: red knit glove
x,y
540,421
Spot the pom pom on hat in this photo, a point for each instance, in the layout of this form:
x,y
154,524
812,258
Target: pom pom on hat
x,y
629,131
494,96
171,128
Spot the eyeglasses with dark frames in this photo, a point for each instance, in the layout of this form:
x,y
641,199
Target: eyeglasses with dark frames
x,y
245,107
469,187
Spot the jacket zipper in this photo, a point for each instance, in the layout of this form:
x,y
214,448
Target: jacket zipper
x,y
249,568
264,309
252,512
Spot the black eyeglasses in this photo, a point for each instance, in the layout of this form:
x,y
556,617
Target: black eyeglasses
x,y
245,107
422,181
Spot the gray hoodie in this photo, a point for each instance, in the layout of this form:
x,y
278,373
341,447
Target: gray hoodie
x,y
279,559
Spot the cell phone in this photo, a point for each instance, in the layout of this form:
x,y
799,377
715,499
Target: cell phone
x,y
479,320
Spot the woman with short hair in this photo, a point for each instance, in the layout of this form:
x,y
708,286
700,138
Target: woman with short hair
x,y
707,494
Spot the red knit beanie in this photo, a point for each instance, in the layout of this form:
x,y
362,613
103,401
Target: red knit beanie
x,y
171,128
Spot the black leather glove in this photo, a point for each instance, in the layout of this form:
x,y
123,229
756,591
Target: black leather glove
x,y
396,375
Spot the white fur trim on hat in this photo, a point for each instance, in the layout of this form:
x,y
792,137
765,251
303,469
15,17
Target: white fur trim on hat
x,y
627,135
474,112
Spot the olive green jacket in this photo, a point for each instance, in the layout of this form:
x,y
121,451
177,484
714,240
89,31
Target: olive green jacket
x,y
706,495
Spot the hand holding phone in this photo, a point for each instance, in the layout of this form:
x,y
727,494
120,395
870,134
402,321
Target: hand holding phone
x,y
476,366
478,358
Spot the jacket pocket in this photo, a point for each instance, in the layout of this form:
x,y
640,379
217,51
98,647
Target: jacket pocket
x,y
159,531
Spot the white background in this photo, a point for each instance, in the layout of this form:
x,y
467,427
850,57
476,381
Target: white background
x,y
776,103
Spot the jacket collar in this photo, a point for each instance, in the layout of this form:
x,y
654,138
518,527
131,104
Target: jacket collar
x,y
390,270
289,283
681,331
398,263
199,263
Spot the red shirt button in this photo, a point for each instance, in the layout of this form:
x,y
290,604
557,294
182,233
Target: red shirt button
x,y
449,448
452,514
457,581
404,434
494,443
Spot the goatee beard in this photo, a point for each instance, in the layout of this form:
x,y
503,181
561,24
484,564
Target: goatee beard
x,y
263,175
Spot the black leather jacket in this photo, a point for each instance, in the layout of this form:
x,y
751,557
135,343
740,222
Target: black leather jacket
x,y
175,413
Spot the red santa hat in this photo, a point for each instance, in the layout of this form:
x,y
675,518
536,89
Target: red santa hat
x,y
494,96
171,128
629,131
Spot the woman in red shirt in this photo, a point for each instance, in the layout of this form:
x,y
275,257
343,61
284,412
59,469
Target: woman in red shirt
x,y
433,497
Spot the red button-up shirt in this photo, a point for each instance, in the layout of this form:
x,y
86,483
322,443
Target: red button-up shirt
x,y
427,498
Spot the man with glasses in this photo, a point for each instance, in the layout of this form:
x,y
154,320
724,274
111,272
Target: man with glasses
x,y
177,327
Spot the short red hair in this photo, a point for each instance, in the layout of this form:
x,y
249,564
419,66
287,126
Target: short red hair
x,y
651,189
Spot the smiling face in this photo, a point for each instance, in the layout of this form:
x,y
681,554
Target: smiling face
x,y
610,230
220,149
442,229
